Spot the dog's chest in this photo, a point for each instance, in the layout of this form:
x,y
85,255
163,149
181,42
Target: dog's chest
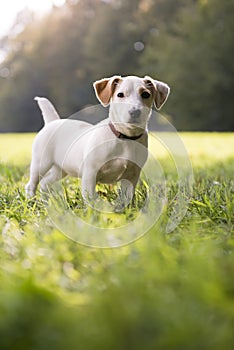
x,y
124,161
114,170
114,159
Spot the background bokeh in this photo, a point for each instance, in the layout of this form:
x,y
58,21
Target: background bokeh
x,y
188,44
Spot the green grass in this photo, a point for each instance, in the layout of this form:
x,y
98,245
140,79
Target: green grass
x,y
164,291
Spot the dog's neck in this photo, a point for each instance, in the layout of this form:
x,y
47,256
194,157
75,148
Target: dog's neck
x,y
125,135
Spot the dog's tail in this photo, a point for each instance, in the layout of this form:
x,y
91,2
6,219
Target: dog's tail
x,y
49,113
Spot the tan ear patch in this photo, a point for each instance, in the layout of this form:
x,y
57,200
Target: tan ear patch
x,y
161,91
105,88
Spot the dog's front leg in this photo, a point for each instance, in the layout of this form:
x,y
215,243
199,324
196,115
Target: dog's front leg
x,y
88,185
127,191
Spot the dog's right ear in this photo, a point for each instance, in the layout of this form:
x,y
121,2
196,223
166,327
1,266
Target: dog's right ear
x,y
105,88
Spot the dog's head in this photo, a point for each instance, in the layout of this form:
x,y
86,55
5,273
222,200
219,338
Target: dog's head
x,y
131,99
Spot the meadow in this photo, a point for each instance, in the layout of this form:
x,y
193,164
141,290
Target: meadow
x,y
164,291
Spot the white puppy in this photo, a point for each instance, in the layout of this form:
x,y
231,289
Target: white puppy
x,y
110,151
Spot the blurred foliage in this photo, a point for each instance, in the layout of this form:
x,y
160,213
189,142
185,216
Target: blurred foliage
x,y
188,44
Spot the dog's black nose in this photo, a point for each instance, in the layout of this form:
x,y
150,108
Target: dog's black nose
x,y
135,113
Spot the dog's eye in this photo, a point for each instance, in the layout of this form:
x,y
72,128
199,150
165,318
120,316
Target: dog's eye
x,y
145,95
120,94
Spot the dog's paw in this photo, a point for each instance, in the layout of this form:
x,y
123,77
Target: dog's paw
x,y
29,192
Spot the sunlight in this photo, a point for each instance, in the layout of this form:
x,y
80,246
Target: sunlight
x,y
12,7
43,5
58,2
37,6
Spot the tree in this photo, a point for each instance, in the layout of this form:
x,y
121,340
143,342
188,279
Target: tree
x,y
196,61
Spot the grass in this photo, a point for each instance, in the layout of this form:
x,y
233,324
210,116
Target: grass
x,y
164,291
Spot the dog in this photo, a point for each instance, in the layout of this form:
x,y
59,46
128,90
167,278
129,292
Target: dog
x,y
114,150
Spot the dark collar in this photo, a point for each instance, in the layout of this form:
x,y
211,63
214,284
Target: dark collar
x,y
119,135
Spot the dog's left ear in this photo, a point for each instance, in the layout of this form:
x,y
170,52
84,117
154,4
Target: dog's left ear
x,y
161,91
105,88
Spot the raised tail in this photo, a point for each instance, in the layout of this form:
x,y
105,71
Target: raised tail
x,y
49,113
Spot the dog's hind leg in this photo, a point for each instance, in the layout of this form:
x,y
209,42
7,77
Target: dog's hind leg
x,y
53,175
37,170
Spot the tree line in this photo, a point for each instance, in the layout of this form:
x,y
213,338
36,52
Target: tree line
x,y
186,43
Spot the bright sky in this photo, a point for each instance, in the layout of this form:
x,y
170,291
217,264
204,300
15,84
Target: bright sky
x,y
10,8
